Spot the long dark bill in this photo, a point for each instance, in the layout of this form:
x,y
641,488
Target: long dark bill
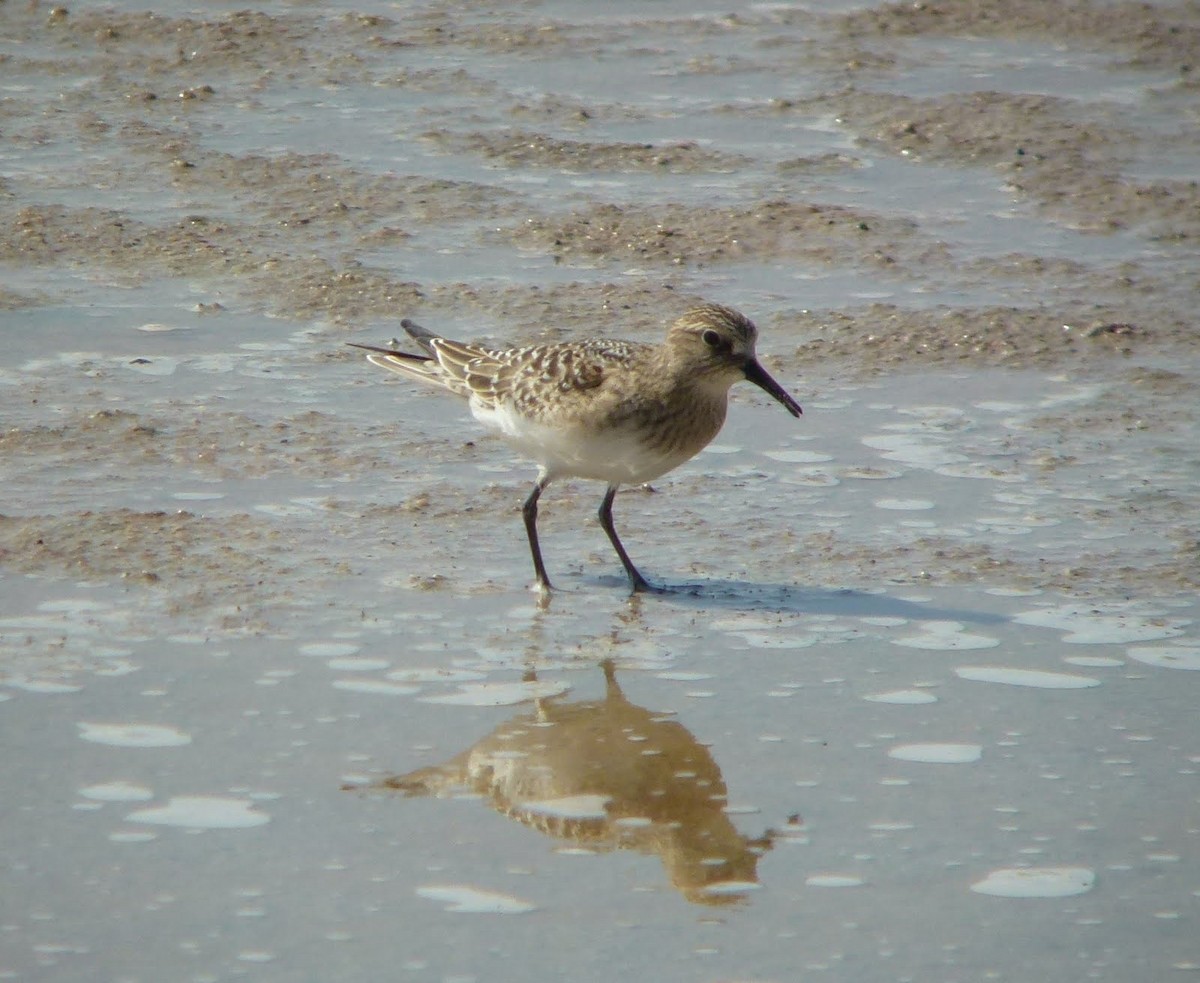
x,y
388,351
760,377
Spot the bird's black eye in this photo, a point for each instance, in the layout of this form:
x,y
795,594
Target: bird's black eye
x,y
712,338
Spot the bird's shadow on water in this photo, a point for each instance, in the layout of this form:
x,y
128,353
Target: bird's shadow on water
x,y
733,595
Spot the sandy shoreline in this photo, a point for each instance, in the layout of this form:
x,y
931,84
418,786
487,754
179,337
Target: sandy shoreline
x,y
920,685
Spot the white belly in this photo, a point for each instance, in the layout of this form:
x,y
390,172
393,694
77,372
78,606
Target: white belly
x,y
612,456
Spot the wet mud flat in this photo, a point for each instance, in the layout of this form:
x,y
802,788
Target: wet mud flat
x,y
273,683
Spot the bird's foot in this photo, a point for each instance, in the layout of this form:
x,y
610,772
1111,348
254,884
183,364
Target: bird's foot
x,y
640,585
544,591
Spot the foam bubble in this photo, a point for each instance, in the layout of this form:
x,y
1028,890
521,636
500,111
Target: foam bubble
x,y
434,675
202,812
1083,626
904,504
946,636
44,686
798,457
1036,882
465,899
920,451
499,694
1093,661
379,687
569,807
352,663
1167,656
131,836
133,735
117,792
1025,677
910,697
730,888
833,880
73,605
938,754
329,650
775,640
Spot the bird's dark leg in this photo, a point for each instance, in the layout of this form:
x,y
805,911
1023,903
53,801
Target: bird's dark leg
x,y
606,520
530,512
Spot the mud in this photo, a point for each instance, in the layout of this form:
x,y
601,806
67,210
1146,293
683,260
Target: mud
x,y
288,233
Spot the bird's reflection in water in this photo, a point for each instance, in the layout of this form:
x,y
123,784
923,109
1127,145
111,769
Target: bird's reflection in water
x,y
608,775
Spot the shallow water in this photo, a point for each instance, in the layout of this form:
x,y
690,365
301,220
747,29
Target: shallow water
x,y
919,701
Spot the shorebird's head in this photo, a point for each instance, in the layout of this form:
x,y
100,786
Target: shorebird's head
x,y
718,342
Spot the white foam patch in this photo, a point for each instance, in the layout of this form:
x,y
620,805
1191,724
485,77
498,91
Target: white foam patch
x,y
946,636
117,792
329,650
74,605
741,810
132,836
999,406
798,457
351,663
748,621
904,504
910,697
1036,882
1094,661
915,450
682,676
465,899
202,812
1166,656
870,474
981,470
433,675
937,754
134,735
810,479
1025,677
725,889
499,694
377,687
197,496
775,640
833,880
570,807
43,686
1085,627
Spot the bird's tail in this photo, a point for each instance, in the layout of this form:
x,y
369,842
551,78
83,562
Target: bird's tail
x,y
422,336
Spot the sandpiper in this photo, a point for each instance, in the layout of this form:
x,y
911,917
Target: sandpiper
x,y
621,412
